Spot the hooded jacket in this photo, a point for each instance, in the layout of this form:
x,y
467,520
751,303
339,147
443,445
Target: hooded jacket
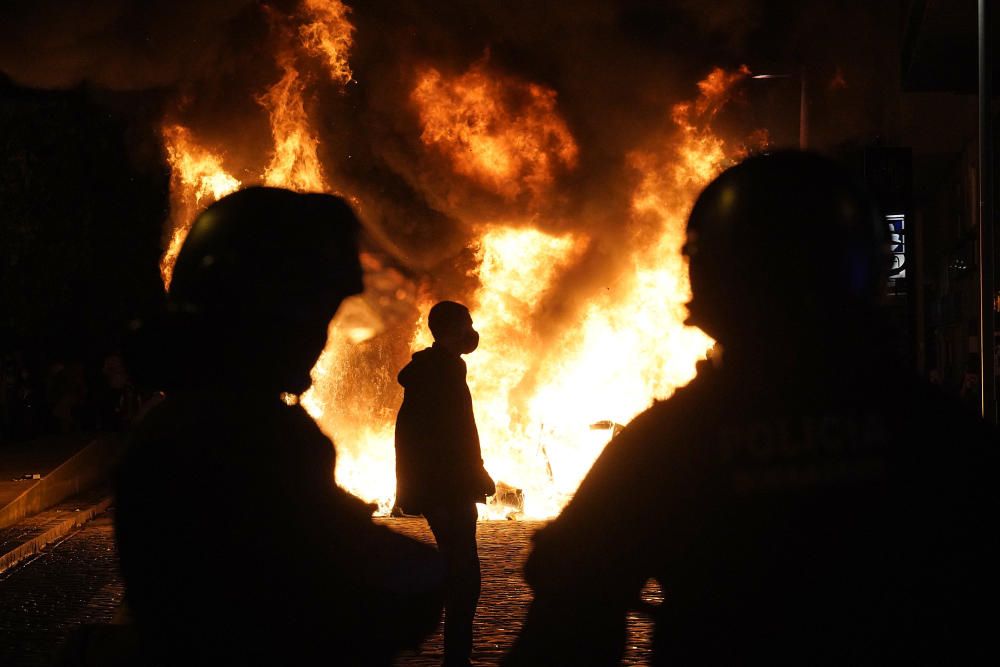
x,y
438,459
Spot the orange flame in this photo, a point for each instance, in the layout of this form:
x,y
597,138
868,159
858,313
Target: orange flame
x,y
700,151
295,163
627,347
197,179
329,36
716,89
537,408
502,133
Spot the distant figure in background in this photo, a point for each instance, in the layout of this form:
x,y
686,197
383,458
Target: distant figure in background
x,y
119,401
65,393
236,546
805,500
439,466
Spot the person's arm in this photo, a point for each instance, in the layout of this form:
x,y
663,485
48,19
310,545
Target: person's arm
x,y
579,624
588,566
390,584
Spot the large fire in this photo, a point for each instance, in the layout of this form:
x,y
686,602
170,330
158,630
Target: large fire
x,y
197,178
547,402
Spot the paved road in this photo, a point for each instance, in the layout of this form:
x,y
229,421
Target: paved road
x,y
42,600
77,581
503,546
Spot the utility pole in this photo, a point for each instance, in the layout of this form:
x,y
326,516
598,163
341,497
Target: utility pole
x,y
803,111
803,102
987,283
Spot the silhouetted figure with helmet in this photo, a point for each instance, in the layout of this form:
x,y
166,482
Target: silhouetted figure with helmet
x,y
439,466
804,500
236,546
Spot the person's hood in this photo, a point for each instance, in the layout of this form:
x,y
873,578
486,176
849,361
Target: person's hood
x,y
425,364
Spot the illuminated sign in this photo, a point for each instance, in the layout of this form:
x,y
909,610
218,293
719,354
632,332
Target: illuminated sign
x,y
897,246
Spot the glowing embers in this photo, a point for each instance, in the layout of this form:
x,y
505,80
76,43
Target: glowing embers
x,y
502,133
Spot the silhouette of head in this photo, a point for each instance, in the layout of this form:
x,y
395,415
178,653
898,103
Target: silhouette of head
x,y
258,280
451,325
783,243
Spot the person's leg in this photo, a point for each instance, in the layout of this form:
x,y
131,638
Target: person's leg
x,y
454,530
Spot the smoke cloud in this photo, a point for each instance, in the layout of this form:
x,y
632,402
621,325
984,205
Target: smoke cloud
x,y
588,87
614,70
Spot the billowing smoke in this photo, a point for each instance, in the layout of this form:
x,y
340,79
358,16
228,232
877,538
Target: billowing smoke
x,y
615,68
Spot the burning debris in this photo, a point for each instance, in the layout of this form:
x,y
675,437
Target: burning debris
x,y
509,498
607,425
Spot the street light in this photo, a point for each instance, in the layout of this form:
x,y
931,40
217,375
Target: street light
x,y
803,108
987,249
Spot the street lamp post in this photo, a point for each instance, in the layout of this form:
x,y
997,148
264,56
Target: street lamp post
x,y
987,284
803,103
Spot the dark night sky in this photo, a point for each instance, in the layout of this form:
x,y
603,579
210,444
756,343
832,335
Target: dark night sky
x,y
78,225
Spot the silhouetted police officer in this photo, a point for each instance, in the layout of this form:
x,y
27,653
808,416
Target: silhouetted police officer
x,y
439,466
236,545
803,500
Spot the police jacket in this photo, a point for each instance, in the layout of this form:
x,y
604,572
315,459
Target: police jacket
x,y
836,512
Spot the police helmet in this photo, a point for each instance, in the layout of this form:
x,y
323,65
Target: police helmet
x,y
263,252
786,237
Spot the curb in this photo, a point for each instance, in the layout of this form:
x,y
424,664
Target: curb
x,y
89,467
37,544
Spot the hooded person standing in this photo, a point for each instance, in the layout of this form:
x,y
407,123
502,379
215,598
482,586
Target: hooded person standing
x,y
439,465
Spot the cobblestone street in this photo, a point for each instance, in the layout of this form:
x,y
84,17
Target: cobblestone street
x,y
503,546
72,582
76,581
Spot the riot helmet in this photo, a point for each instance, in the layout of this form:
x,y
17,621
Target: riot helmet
x,y
784,244
266,251
257,281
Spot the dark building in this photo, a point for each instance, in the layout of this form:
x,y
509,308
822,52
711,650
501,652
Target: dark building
x,y
939,75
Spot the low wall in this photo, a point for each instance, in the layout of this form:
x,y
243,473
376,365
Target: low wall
x,y
89,467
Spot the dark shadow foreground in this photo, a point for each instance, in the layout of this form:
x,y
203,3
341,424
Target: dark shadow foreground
x,y
236,546
804,500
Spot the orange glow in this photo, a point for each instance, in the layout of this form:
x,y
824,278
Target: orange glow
x,y
295,163
197,178
329,35
545,410
716,89
546,391
500,132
